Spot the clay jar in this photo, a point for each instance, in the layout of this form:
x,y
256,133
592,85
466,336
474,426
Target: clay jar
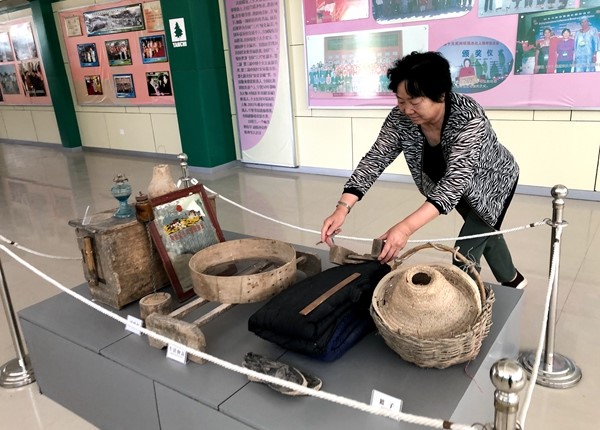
x,y
162,183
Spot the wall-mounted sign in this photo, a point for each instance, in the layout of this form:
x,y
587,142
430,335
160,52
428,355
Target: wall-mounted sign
x,y
178,35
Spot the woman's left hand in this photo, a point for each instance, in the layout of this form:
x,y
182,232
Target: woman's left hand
x,y
395,240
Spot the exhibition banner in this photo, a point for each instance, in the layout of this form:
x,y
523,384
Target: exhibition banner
x,y
261,79
504,53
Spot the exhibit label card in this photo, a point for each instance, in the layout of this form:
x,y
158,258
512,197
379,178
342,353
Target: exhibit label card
x,y
176,353
134,324
385,401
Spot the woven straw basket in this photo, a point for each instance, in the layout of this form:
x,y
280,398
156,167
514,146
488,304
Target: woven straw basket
x,y
418,337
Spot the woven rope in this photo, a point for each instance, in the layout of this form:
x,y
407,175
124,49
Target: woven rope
x,y
435,352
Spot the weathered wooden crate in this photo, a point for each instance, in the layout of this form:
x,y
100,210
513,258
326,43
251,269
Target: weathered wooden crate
x,y
118,264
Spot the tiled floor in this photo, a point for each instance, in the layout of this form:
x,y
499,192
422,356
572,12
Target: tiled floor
x,y
42,188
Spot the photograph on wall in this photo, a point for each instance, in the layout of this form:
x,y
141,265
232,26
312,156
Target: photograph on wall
x,y
558,42
88,55
323,11
489,8
8,79
153,49
114,20
6,52
23,43
153,16
93,84
118,52
73,26
124,85
353,66
477,63
32,78
391,12
159,84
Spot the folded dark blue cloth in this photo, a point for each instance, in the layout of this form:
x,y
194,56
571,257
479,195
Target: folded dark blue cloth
x,y
335,325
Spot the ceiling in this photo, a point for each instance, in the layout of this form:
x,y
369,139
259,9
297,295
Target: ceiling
x,y
9,4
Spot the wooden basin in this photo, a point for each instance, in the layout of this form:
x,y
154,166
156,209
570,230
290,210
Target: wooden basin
x,y
226,272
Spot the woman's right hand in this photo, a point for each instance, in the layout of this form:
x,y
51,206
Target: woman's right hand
x,y
332,224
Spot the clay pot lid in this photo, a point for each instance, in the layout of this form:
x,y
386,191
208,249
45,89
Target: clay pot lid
x,y
430,301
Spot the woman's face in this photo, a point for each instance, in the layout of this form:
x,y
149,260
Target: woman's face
x,y
420,110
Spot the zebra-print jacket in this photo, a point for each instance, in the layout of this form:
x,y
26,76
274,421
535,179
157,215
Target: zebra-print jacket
x,y
479,169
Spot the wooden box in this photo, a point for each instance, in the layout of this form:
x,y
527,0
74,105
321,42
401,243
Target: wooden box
x,y
118,263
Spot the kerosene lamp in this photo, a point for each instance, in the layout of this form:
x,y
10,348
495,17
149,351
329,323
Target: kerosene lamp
x,y
121,191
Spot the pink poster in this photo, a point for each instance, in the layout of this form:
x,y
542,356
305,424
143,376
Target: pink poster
x,y
504,53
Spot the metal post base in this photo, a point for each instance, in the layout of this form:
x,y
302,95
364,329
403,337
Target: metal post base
x,y
15,374
564,373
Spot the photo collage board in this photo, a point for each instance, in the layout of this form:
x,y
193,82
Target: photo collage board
x,y
118,55
22,77
514,54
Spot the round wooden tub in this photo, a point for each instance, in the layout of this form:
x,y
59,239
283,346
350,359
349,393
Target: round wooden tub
x,y
227,272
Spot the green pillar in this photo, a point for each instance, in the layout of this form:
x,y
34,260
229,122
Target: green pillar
x,y
56,76
199,81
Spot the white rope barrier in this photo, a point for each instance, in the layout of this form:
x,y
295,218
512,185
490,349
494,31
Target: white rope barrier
x,y
31,251
396,416
339,236
524,409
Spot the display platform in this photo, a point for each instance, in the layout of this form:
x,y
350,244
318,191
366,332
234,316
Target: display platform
x,y
111,377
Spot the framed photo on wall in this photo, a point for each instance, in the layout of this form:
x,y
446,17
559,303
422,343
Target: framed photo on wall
x,y
159,84
23,42
124,87
6,52
153,49
93,83
73,26
118,52
8,79
114,20
88,55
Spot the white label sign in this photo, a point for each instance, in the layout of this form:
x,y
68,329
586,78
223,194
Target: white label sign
x,y
384,401
134,324
176,353
178,34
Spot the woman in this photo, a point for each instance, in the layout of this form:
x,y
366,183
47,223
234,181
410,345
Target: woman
x,y
543,47
454,158
565,49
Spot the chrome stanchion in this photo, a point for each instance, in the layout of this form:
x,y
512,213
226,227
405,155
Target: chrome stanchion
x,y
185,180
556,370
509,378
17,372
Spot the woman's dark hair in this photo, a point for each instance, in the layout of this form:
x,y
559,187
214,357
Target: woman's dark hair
x,y
426,74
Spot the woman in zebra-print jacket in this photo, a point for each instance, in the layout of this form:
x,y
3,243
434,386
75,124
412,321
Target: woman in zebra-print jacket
x,y
454,158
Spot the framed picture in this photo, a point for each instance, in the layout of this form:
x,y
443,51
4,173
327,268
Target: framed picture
x,y
124,86
159,84
153,49
6,52
114,20
88,55
153,16
32,78
184,223
93,83
22,40
73,26
118,52
8,79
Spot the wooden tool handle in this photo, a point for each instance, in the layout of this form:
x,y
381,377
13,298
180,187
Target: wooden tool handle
x,y
315,303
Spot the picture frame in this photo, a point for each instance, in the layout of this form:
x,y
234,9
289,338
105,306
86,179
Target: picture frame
x,y
8,79
6,52
118,52
88,55
124,87
153,49
93,85
184,223
114,20
159,84
73,26
23,42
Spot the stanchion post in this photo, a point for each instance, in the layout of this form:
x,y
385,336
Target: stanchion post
x,y
556,370
509,379
17,372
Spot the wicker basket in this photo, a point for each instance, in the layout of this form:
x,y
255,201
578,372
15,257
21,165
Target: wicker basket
x,y
434,352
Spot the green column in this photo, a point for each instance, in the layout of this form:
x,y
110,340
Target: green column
x,y
56,76
199,83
